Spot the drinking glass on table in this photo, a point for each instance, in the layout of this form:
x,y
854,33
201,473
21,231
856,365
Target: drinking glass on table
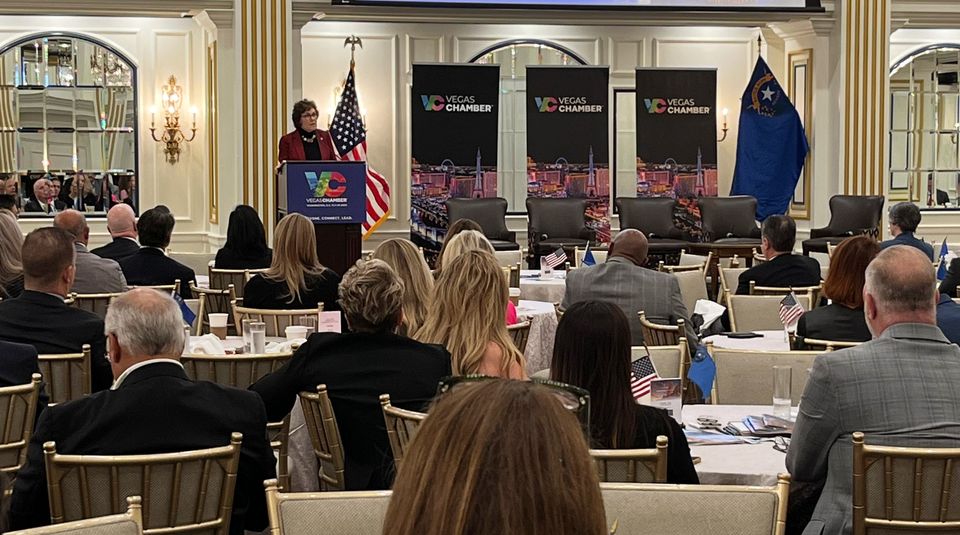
x,y
258,337
782,377
308,321
247,337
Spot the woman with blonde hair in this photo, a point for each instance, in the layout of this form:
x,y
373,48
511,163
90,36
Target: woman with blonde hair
x,y
471,471
404,257
470,240
466,317
11,244
296,279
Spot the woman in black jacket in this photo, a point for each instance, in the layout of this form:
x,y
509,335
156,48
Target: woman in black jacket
x,y
246,246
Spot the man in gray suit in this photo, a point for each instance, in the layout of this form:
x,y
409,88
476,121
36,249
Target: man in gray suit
x,y
94,274
898,389
623,281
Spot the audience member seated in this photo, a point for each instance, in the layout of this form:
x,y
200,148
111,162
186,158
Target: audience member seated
x,y
11,265
455,228
11,186
39,317
904,220
405,259
778,234
842,319
152,408
122,226
94,274
948,318
497,457
150,266
43,200
357,367
9,202
470,240
246,246
899,388
466,317
18,363
296,278
623,281
592,351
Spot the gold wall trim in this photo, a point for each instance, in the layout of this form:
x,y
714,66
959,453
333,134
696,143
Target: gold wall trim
x,y
245,70
797,58
213,138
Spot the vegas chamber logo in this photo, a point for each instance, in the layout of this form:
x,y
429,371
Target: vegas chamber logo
x,y
675,106
454,104
566,105
327,186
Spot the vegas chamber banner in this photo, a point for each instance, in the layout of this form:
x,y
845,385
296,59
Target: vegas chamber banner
x,y
454,143
676,139
568,138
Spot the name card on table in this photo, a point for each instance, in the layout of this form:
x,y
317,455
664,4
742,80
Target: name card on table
x,y
329,322
667,394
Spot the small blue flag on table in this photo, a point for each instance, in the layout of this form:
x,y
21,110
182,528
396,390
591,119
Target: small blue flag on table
x,y
588,259
942,270
702,371
188,315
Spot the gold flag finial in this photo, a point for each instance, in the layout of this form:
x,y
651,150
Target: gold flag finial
x,y
353,41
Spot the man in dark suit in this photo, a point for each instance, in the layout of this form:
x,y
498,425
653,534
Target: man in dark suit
x,y
122,225
904,220
948,318
43,200
150,266
18,363
39,317
357,368
152,408
778,235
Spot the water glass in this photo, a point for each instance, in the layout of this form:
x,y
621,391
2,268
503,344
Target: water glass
x,y
245,332
310,322
782,378
258,337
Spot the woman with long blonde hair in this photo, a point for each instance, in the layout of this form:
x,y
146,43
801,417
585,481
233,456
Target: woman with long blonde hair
x,y
11,244
466,317
470,240
296,279
404,257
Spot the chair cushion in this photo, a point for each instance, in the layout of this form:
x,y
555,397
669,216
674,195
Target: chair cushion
x,y
502,245
490,214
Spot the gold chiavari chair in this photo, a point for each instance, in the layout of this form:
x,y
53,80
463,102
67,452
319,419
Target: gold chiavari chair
x,y
183,492
812,292
325,437
729,280
757,312
214,302
95,303
166,288
692,288
830,248
402,425
738,367
18,404
634,465
221,279
814,344
520,332
128,523
67,375
512,274
276,320
678,269
670,361
758,258
343,513
660,335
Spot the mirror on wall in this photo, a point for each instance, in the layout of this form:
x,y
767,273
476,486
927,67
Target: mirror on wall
x,y
925,127
68,115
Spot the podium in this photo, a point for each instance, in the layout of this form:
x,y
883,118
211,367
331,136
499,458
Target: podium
x,y
333,195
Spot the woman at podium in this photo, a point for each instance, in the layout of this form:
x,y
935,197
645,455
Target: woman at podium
x,y
306,141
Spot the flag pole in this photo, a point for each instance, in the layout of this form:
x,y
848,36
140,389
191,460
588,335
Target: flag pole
x,y
759,44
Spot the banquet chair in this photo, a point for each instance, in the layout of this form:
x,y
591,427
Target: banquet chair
x,y
730,220
739,367
664,268
687,259
830,248
899,489
729,280
811,292
814,344
513,275
654,217
67,375
94,303
18,404
325,437
758,258
165,288
660,335
850,215
556,223
128,523
183,492
221,279
276,320
509,258
682,509
402,425
309,513
519,333
212,301
669,360
491,214
757,312
692,288
632,465
599,255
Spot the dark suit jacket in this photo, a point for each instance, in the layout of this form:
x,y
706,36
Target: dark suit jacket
x,y
357,368
291,147
907,238
150,267
45,322
33,206
118,249
156,409
18,362
230,259
948,318
260,292
949,283
834,322
782,271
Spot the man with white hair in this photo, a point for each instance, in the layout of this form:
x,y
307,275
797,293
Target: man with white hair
x,y
122,225
43,200
94,274
152,407
899,388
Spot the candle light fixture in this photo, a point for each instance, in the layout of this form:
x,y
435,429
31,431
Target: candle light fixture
x,y
171,97
723,129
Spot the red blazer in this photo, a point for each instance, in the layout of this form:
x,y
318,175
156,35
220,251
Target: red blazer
x,y
291,147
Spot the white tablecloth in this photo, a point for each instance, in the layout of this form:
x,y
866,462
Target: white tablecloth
x,y
771,341
735,464
543,329
534,289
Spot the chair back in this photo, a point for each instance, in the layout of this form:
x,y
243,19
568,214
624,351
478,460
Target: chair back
x,y
556,219
664,268
325,437
165,288
632,466
682,509
18,404
669,361
512,273
221,279
814,344
519,333
213,302
904,490
692,287
183,492
729,279
94,303
490,213
687,259
67,375
830,248
276,320
309,513
652,215
758,258
739,367
811,292
660,335
402,425
757,312
853,214
599,255
509,258
128,523
728,217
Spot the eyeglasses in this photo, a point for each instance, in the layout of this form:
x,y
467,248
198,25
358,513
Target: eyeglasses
x,y
309,115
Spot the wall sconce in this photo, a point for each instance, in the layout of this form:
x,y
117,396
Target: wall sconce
x,y
723,128
171,96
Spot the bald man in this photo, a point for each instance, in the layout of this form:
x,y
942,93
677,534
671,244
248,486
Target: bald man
x,y
122,225
95,275
623,281
899,388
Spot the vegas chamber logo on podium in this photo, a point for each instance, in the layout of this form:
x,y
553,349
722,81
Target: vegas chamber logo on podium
x,y
327,185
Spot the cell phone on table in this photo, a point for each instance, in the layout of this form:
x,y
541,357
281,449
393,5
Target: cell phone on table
x,y
743,334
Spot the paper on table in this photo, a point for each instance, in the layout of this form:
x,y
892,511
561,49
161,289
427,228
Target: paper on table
x,y
208,344
283,347
329,322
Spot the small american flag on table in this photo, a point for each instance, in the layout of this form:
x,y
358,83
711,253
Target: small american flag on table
x,y
642,373
790,310
556,258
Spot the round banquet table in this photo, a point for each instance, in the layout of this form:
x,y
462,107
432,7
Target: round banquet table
x,y
770,341
543,329
534,289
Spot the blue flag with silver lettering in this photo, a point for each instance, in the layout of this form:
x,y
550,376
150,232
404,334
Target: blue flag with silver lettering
x,y
771,145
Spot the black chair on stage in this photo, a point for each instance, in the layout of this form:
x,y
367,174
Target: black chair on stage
x,y
850,215
654,218
553,223
491,215
730,220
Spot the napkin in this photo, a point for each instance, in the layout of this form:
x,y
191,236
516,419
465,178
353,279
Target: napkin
x,y
207,344
285,346
709,311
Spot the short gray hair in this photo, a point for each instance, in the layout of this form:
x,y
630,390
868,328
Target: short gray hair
x,y
146,322
371,295
902,279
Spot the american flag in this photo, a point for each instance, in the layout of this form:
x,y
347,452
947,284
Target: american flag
x,y
642,373
556,258
350,139
790,310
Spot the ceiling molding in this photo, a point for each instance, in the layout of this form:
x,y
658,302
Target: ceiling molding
x,y
114,8
927,13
